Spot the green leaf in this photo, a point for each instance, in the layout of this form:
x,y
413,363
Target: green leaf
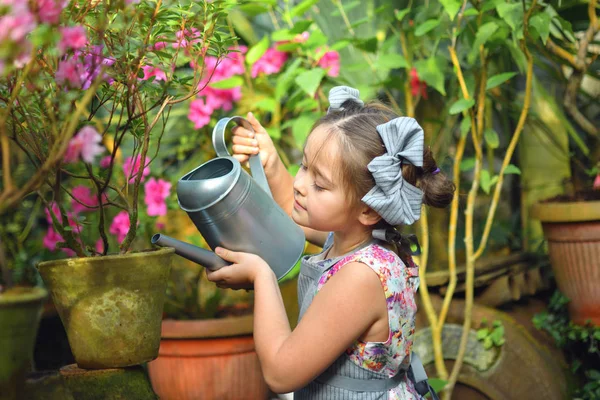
x,y
347,7
498,79
482,333
369,44
229,83
461,105
391,61
471,12
451,7
465,126
484,32
285,80
426,26
301,127
266,104
491,138
400,14
487,343
293,169
467,164
431,71
309,81
541,22
437,384
512,169
485,181
257,50
512,14
301,26
281,35
340,44
303,7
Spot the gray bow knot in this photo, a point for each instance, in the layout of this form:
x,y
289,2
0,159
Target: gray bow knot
x,y
394,199
339,94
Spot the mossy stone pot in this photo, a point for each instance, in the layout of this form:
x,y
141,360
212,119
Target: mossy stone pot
x,y
111,306
20,311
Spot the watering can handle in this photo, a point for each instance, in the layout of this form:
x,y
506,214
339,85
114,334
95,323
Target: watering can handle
x,y
218,139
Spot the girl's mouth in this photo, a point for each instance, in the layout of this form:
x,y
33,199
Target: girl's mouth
x,y
298,206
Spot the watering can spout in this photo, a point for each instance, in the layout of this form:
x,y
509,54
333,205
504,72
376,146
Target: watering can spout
x,y
201,256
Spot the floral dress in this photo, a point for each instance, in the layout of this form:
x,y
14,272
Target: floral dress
x,y
378,360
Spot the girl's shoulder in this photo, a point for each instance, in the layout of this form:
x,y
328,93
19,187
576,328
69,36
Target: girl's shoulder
x,y
384,262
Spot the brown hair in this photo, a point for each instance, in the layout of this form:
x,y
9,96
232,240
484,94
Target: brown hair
x,y
354,126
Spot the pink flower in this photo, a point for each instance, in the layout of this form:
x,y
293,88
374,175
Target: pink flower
x,y
86,143
331,62
83,199
157,73
49,10
301,37
120,226
69,73
417,86
156,191
54,210
71,217
17,24
73,37
99,246
51,239
270,62
187,37
597,182
131,168
105,162
199,113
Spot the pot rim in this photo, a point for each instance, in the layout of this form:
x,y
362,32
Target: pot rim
x,y
32,295
92,260
207,328
576,211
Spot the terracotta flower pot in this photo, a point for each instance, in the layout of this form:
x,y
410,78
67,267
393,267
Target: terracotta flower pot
x,y
573,234
111,306
207,359
20,311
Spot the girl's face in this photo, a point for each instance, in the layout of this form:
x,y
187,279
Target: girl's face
x,y
320,198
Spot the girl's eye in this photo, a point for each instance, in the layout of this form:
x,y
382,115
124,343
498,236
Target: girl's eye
x,y
317,187
302,166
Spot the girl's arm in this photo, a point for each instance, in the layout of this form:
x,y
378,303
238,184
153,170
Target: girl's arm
x,y
349,305
345,308
280,180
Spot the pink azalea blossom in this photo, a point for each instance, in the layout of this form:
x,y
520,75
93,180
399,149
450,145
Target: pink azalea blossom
x,y
157,73
187,37
85,144
417,86
69,73
131,168
105,162
99,246
302,37
17,24
199,113
270,62
52,238
331,62
120,226
156,191
49,10
83,199
73,37
24,55
93,61
597,182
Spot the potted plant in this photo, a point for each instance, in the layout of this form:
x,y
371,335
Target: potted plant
x,y
88,88
571,222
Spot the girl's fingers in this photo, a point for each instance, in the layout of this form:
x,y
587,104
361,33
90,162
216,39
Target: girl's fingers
x,y
245,141
242,158
228,255
239,149
242,132
254,122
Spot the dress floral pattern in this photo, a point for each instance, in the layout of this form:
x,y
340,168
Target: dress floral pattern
x,y
400,283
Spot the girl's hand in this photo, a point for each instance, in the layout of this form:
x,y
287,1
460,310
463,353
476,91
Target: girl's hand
x,y
242,273
247,143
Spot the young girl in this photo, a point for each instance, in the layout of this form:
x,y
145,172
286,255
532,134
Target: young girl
x,y
364,170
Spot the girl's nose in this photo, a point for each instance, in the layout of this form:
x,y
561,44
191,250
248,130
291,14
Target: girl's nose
x,y
299,185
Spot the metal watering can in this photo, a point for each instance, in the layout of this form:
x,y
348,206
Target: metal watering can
x,y
234,210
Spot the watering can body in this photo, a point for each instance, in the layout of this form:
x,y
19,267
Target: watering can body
x,y
234,210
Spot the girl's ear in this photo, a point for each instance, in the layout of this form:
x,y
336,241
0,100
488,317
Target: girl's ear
x,y
368,216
